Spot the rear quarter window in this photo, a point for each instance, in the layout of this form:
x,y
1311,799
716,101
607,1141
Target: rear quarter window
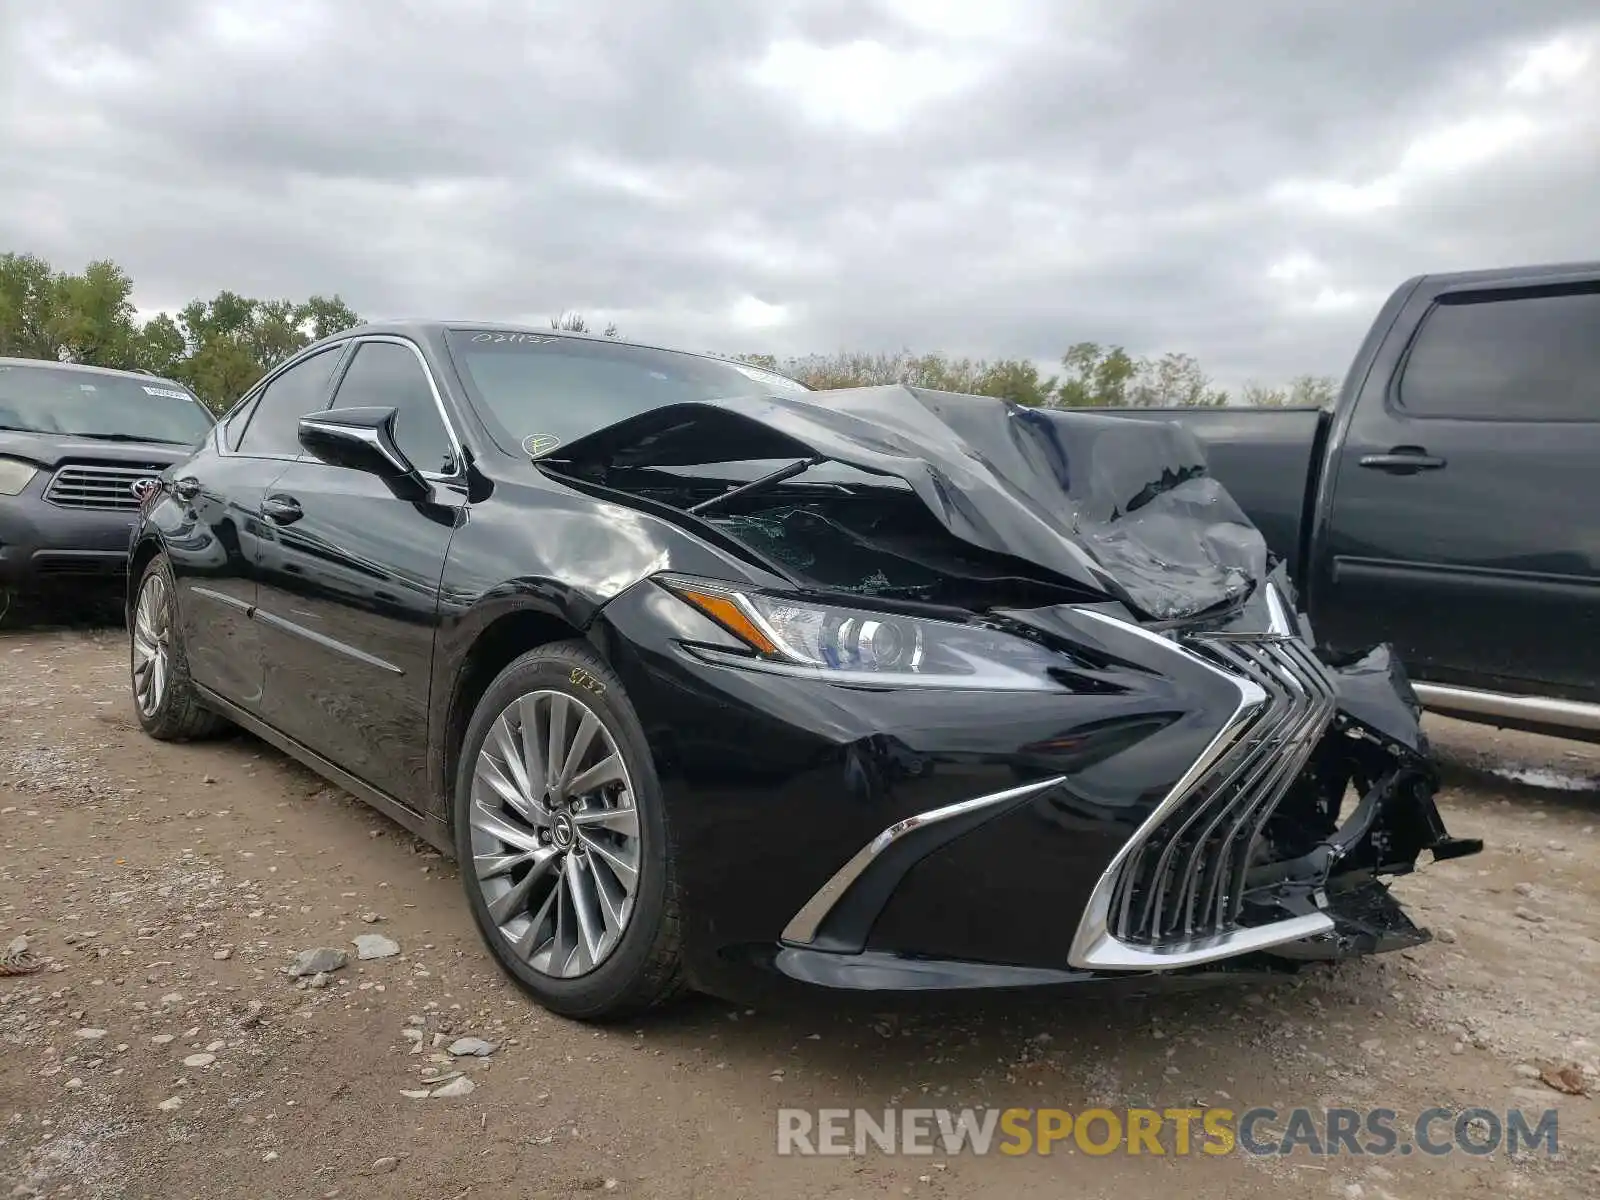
x,y
1532,356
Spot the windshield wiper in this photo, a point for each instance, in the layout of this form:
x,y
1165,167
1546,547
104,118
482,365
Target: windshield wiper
x,y
128,437
778,476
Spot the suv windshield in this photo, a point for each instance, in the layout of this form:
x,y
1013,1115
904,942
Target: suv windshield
x,y
61,400
556,389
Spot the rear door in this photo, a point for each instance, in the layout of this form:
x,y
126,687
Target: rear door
x,y
218,553
349,603
1464,521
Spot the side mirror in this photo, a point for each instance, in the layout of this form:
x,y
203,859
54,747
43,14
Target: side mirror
x,y
362,439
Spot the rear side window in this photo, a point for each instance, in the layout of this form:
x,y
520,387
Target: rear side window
x,y
274,427
1534,357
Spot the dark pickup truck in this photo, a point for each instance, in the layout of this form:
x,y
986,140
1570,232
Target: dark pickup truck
x,y
1449,503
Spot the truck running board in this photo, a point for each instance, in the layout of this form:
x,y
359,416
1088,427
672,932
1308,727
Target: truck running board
x,y
1475,705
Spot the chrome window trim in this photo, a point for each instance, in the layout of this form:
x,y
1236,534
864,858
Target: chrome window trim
x,y
351,344
219,442
433,387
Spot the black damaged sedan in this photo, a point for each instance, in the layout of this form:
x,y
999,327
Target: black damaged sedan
x,y
710,681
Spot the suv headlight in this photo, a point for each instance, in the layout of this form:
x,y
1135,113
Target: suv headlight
x,y
15,475
848,645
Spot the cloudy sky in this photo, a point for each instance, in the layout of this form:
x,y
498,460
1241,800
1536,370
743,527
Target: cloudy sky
x,y
1242,179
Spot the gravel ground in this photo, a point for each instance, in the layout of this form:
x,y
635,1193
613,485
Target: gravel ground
x,y
163,1051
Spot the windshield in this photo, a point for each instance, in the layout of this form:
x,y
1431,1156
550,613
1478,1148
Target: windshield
x,y
47,399
545,390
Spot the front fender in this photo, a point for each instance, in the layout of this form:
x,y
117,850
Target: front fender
x,y
536,564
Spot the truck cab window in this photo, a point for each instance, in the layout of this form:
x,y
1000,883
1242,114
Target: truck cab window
x,y
1529,357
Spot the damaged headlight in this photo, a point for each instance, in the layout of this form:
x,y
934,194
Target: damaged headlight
x,y
848,645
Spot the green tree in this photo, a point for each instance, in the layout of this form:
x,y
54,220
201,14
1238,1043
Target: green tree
x,y
95,319
324,316
576,322
232,340
1097,376
221,346
1012,379
28,299
1257,395
161,346
1174,381
87,318
1313,391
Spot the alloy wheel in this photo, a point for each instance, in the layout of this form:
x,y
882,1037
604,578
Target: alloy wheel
x,y
152,643
555,833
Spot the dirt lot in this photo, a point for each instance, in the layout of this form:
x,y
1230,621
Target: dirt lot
x,y
164,1052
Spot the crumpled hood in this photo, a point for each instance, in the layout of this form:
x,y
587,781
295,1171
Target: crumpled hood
x,y
1125,507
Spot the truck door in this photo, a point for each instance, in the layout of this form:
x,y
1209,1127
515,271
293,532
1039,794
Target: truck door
x,y
1465,518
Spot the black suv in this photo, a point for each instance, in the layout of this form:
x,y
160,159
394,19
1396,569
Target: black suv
x,y
77,447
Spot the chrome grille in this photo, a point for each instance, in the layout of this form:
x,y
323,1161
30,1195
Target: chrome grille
x,y
1185,879
96,486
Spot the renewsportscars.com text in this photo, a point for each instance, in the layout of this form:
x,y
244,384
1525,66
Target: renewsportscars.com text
x,y
1262,1132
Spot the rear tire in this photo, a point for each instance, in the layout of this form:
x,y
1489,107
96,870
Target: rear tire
x,y
164,697
568,866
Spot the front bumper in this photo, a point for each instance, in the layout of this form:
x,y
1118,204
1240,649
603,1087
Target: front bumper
x,y
1175,818
43,543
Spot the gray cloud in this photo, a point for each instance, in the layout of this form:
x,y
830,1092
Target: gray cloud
x,y
1243,180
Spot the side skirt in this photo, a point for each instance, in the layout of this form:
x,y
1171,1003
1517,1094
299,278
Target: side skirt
x,y
428,829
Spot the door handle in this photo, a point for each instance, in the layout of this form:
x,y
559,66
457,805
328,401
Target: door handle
x,y
1403,460
282,510
186,488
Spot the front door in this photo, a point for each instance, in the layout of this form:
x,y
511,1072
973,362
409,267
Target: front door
x,y
349,606
1464,493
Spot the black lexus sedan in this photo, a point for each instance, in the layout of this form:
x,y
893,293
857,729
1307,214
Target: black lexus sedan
x,y
710,681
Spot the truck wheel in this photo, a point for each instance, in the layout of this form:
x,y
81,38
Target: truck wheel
x,y
168,705
562,838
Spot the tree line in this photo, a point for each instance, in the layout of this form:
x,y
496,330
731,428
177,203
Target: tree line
x,y
219,347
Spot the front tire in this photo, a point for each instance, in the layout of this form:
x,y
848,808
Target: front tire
x,y
164,697
562,838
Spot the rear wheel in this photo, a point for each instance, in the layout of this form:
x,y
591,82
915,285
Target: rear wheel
x,y
164,697
562,838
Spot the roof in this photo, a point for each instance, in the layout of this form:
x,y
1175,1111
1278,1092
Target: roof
x,y
420,327
1534,273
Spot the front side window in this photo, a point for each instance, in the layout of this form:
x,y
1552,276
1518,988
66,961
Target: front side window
x,y
1532,357
274,427
389,375
49,398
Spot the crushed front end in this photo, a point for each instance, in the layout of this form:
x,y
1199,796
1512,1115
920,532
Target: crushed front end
x,y
1102,749
1275,839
